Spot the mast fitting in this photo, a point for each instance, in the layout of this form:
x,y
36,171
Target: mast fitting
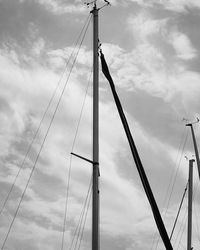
x,y
85,159
191,123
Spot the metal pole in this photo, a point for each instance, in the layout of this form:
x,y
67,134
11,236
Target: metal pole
x,y
95,196
190,191
195,147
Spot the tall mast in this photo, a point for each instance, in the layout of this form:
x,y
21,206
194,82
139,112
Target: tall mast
x,y
195,145
190,191
95,195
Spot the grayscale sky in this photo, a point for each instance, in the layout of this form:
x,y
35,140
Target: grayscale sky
x,y
152,49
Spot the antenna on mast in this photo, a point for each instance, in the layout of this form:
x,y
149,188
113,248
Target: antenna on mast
x,y
89,3
107,3
94,3
191,123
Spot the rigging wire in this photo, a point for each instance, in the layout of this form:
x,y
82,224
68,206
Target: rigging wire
x,y
182,227
168,190
70,165
47,132
81,215
85,221
81,113
181,244
180,206
172,183
193,200
197,225
177,169
66,202
42,119
183,230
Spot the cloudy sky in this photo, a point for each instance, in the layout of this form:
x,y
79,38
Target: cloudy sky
x,y
152,48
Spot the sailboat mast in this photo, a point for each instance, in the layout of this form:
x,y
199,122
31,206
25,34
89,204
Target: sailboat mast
x,y
95,194
195,146
190,192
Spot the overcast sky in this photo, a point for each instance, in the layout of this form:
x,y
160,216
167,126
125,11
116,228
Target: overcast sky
x,y
152,48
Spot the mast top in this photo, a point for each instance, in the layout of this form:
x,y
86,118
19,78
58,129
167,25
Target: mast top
x,y
91,3
94,3
191,123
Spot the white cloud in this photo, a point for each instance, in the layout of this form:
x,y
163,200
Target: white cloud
x,y
62,7
182,46
144,25
27,92
174,5
151,67
142,68
38,47
180,5
33,95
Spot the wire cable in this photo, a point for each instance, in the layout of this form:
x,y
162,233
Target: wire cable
x,y
181,244
41,121
184,220
29,149
195,209
183,230
178,211
182,227
70,165
197,225
81,216
47,132
84,221
173,184
155,237
177,168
